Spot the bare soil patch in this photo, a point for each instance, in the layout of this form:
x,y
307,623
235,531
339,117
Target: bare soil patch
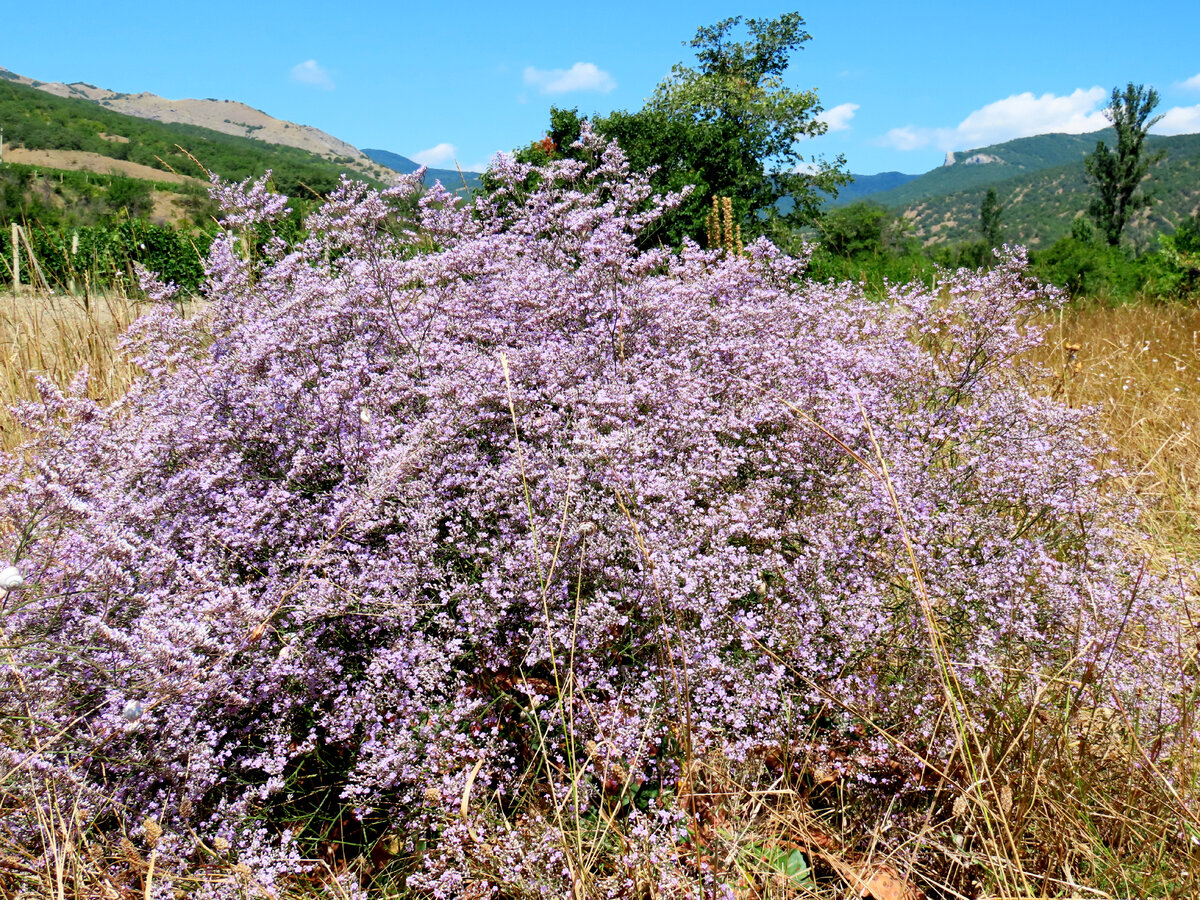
x,y
84,161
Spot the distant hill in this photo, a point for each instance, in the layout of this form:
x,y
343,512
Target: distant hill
x,y
226,116
866,185
70,161
860,187
987,166
1039,205
451,179
1041,197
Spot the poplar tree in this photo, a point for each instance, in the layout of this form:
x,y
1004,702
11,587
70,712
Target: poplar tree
x,y
989,218
1118,174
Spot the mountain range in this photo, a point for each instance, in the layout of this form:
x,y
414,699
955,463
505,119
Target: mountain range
x,y
453,180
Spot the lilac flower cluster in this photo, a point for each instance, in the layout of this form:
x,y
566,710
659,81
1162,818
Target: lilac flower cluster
x,y
442,486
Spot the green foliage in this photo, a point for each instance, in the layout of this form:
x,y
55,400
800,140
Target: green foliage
x,y
989,218
875,273
858,229
55,198
1087,268
705,156
791,866
1082,230
869,245
727,127
1179,272
129,197
1118,175
104,255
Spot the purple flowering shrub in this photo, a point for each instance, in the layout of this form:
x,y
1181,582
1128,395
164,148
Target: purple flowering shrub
x,y
492,491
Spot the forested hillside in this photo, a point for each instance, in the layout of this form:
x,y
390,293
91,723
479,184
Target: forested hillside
x,y
34,119
1041,183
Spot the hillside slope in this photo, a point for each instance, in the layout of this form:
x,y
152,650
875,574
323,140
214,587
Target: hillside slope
x,y
987,166
1043,186
225,116
37,120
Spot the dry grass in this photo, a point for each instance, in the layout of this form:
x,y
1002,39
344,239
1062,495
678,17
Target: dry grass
x,y
1140,367
55,336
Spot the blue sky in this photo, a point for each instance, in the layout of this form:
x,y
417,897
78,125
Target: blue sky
x,y
901,83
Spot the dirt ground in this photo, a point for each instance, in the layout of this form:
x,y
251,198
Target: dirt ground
x,y
83,161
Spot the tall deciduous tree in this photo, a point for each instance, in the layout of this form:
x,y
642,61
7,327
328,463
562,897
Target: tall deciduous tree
x,y
728,127
1117,175
734,101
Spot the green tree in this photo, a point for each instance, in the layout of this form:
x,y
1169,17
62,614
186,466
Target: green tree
x,y
989,218
860,229
727,127
1117,175
734,102
1179,260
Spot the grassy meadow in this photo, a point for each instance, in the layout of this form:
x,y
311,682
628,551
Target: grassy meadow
x,y
55,337
1067,804
1139,366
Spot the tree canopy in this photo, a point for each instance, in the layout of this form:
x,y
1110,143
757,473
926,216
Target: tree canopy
x,y
728,127
1118,175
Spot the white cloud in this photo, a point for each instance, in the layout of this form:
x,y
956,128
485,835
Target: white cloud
x,y
1192,84
1179,120
907,138
580,77
436,157
838,118
1020,115
311,73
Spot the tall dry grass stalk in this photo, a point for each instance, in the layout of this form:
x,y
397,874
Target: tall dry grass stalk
x,y
56,336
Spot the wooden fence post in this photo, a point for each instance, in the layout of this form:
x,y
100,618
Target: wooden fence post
x,y
71,261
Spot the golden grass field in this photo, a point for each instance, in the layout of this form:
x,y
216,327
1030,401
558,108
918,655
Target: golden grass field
x,y
1139,366
1072,806
54,337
